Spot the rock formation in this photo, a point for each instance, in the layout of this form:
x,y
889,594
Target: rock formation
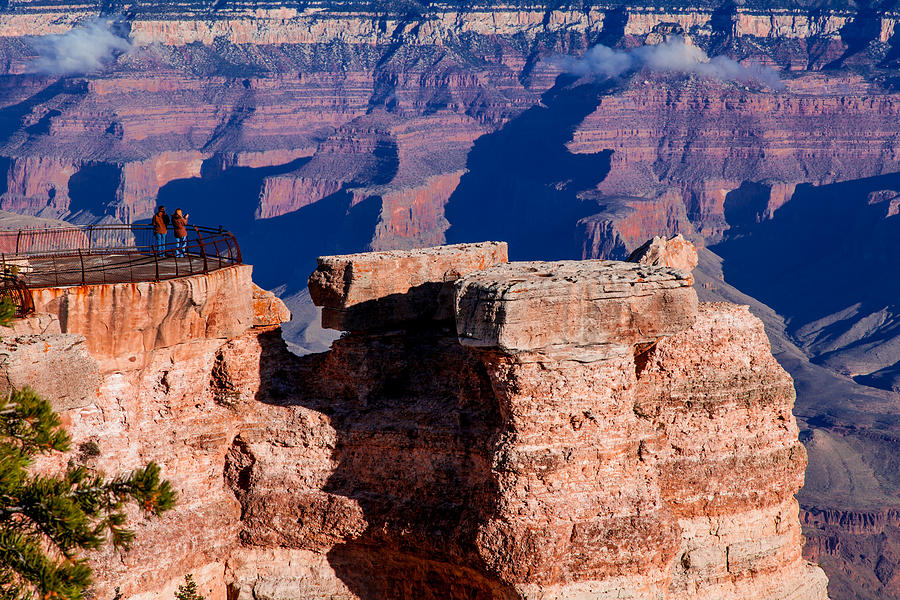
x,y
322,128
489,429
675,252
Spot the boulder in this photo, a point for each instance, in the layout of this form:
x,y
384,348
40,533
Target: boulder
x,y
383,290
268,309
572,306
675,252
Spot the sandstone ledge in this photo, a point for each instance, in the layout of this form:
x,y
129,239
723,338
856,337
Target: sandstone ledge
x,y
381,290
123,323
539,306
410,465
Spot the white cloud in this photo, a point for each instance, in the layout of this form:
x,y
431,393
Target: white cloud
x,y
673,56
84,49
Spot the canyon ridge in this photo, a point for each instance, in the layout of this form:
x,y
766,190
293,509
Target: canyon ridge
x,y
325,128
484,429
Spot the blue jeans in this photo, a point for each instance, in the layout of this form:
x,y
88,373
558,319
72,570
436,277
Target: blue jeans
x,y
180,245
160,241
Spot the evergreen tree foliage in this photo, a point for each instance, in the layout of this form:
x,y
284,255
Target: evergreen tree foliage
x,y
47,521
7,311
188,591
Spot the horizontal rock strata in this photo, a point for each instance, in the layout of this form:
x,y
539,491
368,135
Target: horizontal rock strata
x,y
384,289
538,306
403,463
499,469
124,323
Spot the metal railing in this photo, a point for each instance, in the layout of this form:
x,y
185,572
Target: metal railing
x,y
111,254
12,288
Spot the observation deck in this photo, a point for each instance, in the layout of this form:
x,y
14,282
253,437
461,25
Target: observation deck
x,y
102,254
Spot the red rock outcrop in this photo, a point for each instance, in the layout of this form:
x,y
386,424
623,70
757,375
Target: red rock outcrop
x,y
126,323
542,466
675,252
383,290
634,443
268,309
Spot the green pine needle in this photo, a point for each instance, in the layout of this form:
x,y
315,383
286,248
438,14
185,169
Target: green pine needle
x,y
47,522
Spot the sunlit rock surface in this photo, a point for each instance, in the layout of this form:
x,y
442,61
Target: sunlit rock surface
x,y
652,455
323,129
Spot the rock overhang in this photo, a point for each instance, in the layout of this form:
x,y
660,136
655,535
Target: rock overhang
x,y
587,310
382,290
552,472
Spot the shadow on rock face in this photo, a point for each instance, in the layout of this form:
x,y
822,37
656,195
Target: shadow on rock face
x,y
823,261
412,421
522,182
862,29
93,188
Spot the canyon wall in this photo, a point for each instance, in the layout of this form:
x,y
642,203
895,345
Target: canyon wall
x,y
357,22
324,128
389,106
485,429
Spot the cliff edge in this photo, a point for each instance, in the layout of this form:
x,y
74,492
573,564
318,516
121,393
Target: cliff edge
x,y
484,429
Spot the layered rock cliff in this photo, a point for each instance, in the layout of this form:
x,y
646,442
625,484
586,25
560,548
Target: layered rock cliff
x,y
321,128
485,429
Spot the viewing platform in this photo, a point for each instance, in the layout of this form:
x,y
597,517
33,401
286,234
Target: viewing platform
x,y
105,254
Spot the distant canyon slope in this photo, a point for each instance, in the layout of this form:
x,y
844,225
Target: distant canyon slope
x,y
323,127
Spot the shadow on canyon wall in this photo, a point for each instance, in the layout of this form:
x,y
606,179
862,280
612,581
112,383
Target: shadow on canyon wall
x,y
522,182
392,401
92,188
815,262
805,260
862,29
12,117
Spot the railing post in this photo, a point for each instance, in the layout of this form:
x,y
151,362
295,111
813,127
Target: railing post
x,y
202,250
240,258
54,251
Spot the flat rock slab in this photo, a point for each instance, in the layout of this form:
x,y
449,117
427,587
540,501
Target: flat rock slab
x,y
552,306
379,290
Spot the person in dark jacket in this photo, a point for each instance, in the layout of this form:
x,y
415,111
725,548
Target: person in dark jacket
x,y
179,226
160,228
